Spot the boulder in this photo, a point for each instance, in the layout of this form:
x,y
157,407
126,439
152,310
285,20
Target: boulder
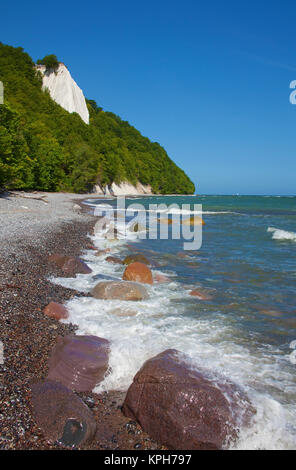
x,y
138,272
79,362
58,260
136,258
70,264
56,310
185,409
61,415
74,265
161,278
113,259
119,290
200,295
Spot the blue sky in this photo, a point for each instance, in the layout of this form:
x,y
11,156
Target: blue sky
x,y
208,80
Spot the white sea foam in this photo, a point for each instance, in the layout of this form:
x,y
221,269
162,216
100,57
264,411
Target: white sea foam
x,y
279,234
109,208
148,327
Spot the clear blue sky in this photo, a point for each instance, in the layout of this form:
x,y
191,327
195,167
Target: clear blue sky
x,y
208,80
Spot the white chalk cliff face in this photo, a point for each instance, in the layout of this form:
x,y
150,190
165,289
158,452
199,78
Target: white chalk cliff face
x,y
123,189
64,90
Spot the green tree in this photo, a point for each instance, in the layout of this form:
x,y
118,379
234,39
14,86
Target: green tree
x,y
50,61
43,146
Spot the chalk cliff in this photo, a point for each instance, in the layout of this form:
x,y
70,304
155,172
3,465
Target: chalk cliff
x,y
123,189
64,90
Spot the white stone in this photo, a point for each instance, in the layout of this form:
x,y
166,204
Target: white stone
x,y
64,90
77,208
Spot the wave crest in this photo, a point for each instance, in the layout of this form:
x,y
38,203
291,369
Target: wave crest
x,y
279,234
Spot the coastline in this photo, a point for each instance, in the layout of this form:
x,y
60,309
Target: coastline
x,y
31,231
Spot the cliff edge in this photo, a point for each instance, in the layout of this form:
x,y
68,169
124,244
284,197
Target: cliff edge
x,y
64,90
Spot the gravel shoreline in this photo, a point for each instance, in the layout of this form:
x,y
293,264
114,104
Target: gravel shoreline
x,y
30,231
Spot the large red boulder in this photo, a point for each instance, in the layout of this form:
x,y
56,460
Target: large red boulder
x,y
184,408
138,272
56,310
79,362
61,415
71,265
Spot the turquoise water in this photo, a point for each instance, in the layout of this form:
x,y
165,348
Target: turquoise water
x,y
251,274
243,329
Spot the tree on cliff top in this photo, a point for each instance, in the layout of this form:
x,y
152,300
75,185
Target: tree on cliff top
x,y
50,61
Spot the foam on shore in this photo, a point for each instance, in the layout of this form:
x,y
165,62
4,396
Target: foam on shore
x,y
149,327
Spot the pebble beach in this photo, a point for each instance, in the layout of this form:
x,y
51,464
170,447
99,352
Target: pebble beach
x,y
33,226
87,367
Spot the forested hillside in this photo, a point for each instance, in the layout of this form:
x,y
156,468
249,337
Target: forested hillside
x,y
44,147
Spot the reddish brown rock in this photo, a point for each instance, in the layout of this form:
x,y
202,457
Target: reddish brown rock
x,y
183,408
113,259
138,272
56,310
136,258
119,290
161,278
200,295
79,362
58,260
61,415
70,264
75,265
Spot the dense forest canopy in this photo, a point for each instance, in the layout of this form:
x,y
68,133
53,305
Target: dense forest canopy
x,y
44,147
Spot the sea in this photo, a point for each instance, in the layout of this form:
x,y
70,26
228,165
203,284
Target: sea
x,y
242,325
